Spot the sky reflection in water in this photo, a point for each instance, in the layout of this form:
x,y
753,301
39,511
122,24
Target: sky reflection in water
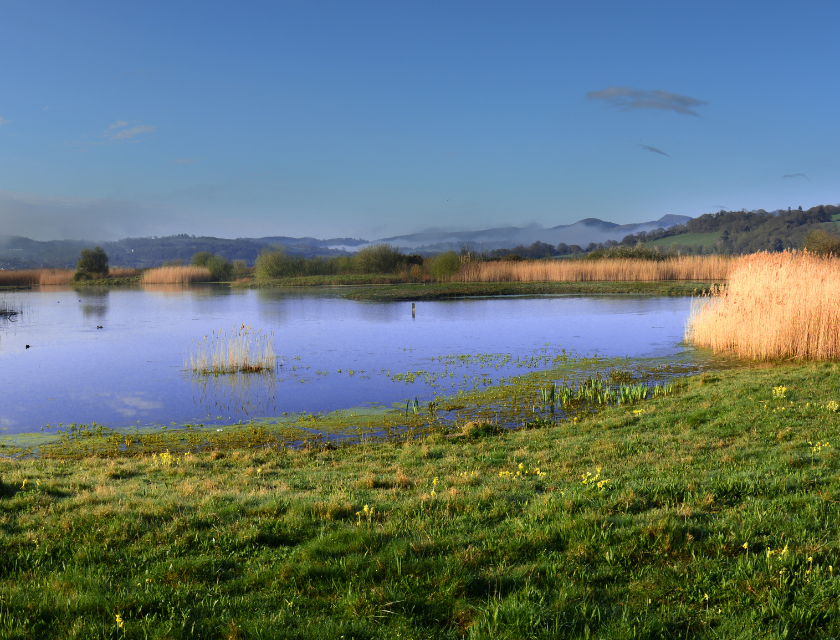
x,y
132,371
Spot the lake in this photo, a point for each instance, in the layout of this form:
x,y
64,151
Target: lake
x,y
332,353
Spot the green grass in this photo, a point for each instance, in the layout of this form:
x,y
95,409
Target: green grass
x,y
687,239
717,516
331,280
444,290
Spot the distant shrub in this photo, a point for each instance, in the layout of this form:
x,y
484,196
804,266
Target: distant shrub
x,y
445,265
240,269
272,262
638,252
822,242
93,263
380,258
220,268
201,258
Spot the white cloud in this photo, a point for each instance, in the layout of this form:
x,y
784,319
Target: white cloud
x,y
119,124
120,131
3,121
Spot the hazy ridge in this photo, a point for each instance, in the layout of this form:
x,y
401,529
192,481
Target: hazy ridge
x,y
21,252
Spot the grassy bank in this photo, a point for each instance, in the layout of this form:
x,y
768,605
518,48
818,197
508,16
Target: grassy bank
x,y
713,514
444,290
326,280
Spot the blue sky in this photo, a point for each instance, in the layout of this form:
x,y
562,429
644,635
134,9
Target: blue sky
x,y
373,119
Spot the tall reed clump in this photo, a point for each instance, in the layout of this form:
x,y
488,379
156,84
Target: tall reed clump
x,y
703,268
176,275
776,305
243,349
29,277
56,276
20,277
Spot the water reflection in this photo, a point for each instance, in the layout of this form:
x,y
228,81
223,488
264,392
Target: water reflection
x,y
248,394
336,353
94,301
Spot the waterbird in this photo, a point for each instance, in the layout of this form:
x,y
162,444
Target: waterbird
x,y
27,346
99,326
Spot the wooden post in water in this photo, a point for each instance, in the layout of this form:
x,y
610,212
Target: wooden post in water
x,y
412,309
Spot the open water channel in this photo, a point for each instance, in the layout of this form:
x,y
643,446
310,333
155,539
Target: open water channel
x,y
332,353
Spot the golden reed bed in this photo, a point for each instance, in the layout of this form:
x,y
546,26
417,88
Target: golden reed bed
x,y
702,268
176,275
29,277
776,305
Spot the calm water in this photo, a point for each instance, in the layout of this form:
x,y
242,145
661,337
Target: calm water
x,y
132,371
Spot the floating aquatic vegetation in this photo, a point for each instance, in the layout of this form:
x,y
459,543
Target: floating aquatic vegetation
x,y
534,400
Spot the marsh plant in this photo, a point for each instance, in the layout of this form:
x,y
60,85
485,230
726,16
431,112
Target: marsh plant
x,y
175,274
776,305
701,268
243,349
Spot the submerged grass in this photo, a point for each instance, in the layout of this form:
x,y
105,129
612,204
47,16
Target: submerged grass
x,y
713,513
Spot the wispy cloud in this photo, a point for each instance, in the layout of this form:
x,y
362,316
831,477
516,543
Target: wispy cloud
x,y
3,121
628,98
796,175
653,150
185,161
121,131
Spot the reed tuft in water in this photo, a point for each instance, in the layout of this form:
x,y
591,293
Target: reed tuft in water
x,y
776,305
242,350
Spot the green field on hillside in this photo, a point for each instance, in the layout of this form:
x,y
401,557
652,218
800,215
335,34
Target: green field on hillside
x,y
687,239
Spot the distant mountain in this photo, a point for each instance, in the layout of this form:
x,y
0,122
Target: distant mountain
x,y
17,252
581,233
